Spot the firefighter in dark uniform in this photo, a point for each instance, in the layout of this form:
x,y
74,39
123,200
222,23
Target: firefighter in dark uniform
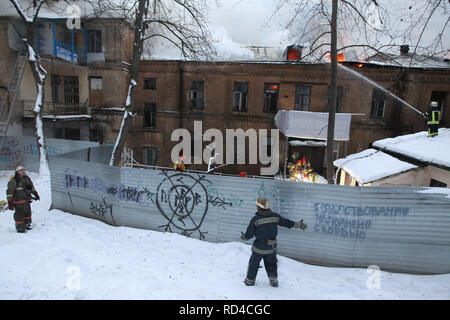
x,y
432,116
19,195
264,227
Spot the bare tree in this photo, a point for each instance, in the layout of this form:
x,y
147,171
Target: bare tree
x,y
180,23
29,17
364,25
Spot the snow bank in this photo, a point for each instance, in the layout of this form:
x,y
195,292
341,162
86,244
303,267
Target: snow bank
x,y
70,257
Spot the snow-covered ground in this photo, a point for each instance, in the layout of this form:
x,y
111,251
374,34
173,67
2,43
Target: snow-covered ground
x,y
70,257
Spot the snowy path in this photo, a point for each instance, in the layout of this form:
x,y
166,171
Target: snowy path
x,y
126,263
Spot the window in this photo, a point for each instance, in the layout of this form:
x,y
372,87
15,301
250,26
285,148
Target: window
x,y
302,98
438,184
240,96
71,90
56,88
439,97
377,106
195,95
150,115
96,135
338,99
94,41
95,83
150,83
149,156
68,133
271,97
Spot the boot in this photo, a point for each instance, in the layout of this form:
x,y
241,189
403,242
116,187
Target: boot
x,y
249,282
28,226
274,282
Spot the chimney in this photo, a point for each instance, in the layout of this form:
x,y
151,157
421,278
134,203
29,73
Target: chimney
x,y
404,49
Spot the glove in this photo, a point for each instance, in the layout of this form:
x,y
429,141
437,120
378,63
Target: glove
x,y
300,224
243,236
36,195
10,205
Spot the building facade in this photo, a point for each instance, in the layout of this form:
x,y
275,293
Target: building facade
x,y
87,82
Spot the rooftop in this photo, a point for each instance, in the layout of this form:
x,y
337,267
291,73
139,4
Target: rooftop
x,y
418,146
371,165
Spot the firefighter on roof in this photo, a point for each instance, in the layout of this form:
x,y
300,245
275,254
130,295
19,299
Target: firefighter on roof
x,y
264,227
19,195
432,116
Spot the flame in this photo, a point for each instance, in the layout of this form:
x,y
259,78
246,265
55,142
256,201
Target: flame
x,y
340,57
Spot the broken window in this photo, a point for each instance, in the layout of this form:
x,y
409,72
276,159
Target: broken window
x,y
95,83
195,95
271,97
338,99
149,156
71,90
68,133
150,115
302,98
150,83
439,97
377,105
94,41
240,96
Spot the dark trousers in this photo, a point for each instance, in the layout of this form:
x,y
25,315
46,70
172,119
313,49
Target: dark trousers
x,y
432,130
270,264
22,215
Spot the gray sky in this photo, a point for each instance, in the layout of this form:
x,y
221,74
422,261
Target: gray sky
x,y
251,22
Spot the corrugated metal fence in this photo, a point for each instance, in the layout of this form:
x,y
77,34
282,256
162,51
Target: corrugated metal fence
x,y
23,150
396,228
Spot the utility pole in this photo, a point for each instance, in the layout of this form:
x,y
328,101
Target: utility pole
x,y
333,94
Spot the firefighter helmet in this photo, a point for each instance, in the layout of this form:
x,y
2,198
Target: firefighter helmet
x,y
263,203
433,104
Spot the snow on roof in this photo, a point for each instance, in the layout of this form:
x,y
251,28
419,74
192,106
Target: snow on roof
x,y
419,146
307,143
371,165
417,61
57,10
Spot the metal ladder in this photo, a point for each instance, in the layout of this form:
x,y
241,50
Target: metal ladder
x,y
6,111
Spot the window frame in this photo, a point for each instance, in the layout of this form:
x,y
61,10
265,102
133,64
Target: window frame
x,y
241,88
71,90
270,104
145,156
300,105
198,102
96,46
378,97
149,83
339,94
149,111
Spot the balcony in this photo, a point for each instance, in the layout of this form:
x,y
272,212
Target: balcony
x,y
55,109
69,52
55,39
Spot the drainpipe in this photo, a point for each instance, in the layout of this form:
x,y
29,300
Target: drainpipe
x,y
54,39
